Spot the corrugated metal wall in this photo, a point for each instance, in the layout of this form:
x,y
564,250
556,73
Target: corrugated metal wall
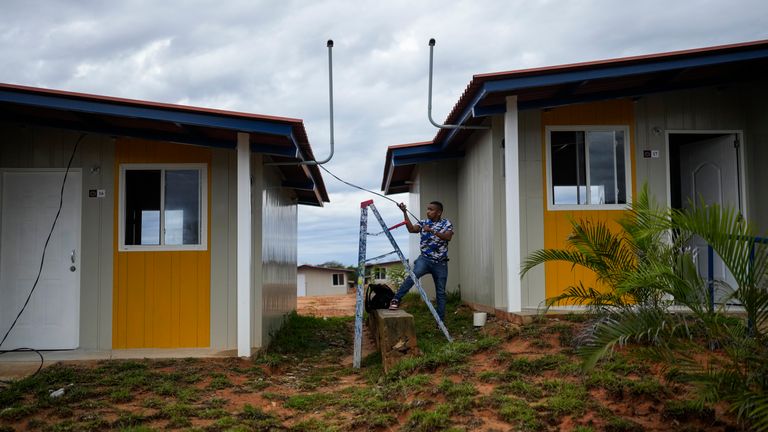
x,y
223,246
27,147
531,203
741,107
476,212
279,227
437,182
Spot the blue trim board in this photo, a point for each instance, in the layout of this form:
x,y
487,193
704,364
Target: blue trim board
x,y
426,157
600,72
608,71
90,127
169,115
274,150
489,110
307,185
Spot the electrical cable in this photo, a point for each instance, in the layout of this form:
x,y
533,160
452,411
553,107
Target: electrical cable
x,y
366,190
42,262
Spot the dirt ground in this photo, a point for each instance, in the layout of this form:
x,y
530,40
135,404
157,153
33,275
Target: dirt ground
x,y
499,378
326,306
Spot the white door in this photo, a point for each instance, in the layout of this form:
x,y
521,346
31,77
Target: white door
x,y
301,284
30,200
710,174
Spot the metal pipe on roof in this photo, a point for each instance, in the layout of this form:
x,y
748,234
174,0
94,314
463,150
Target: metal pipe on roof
x,y
429,101
329,44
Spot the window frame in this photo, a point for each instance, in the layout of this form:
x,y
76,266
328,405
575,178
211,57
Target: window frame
x,y
588,128
380,271
202,168
343,279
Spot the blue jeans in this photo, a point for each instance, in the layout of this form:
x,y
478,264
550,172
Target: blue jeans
x,y
439,272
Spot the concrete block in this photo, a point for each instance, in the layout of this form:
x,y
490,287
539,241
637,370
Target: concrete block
x,y
395,334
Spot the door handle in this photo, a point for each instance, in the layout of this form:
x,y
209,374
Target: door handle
x,y
72,256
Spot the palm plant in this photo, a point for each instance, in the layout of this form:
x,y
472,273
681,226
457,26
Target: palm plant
x,y
658,300
612,256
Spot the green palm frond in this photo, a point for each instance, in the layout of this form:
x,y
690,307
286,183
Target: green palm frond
x,y
551,255
642,325
583,296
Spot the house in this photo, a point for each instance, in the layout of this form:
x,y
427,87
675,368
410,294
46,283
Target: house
x,y
578,141
320,281
382,272
176,231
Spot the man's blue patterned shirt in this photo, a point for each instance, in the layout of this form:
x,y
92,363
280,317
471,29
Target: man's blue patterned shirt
x,y
432,247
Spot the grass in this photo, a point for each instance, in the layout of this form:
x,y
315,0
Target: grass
x,y
303,383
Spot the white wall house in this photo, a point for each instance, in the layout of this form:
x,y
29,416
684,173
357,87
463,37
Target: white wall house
x,y
175,231
320,281
578,141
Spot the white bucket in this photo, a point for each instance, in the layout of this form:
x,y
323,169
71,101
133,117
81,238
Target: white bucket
x,y
478,318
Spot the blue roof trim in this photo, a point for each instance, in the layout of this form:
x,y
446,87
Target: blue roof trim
x,y
426,157
169,115
414,150
617,71
308,185
489,110
272,150
464,115
599,72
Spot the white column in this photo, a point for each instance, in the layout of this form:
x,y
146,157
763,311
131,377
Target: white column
x,y
243,245
512,194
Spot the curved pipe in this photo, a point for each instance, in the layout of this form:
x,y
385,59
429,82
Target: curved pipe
x,y
429,102
330,98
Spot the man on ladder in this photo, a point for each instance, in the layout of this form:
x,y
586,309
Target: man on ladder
x,y
435,232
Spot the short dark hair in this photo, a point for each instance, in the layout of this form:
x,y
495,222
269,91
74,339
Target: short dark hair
x,y
438,204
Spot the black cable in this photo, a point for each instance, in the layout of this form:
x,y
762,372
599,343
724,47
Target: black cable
x,y
42,261
366,190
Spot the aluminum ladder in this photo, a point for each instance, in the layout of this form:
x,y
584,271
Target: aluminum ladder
x,y
364,206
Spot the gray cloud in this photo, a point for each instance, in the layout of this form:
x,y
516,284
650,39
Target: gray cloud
x,y
270,58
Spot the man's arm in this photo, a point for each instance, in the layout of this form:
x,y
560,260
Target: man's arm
x,y
411,227
446,235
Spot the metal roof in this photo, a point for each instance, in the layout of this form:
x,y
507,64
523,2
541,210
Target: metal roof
x,y
569,84
284,139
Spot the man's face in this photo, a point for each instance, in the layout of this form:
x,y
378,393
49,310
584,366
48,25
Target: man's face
x,y
433,212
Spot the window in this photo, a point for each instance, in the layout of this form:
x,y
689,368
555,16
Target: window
x,y
379,273
163,207
338,279
588,167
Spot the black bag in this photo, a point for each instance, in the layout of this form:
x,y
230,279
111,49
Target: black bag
x,y
377,296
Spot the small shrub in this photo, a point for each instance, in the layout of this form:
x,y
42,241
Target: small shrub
x,y
219,381
121,395
568,398
16,412
519,413
427,421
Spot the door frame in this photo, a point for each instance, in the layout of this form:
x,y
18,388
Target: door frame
x,y
79,238
743,187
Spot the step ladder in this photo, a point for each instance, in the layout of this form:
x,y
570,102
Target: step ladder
x,y
364,206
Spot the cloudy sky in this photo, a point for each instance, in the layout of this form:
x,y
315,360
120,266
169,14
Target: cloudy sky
x,y
270,58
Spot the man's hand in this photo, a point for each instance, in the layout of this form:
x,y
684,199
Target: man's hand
x,y
402,207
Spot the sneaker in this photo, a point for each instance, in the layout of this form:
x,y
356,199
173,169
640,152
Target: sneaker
x,y
394,304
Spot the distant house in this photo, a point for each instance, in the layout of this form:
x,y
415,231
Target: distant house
x,y
381,273
577,141
319,281
175,230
